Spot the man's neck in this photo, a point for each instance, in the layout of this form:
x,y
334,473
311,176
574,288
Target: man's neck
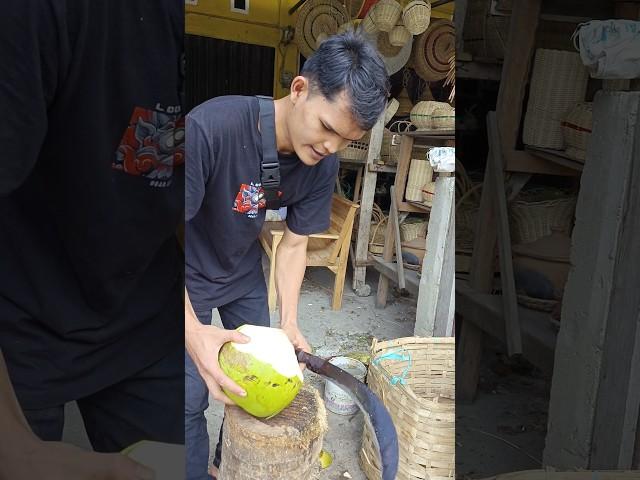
x,y
283,142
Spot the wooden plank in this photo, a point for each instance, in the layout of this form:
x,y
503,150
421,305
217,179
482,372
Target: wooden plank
x,y
589,338
357,186
387,256
459,16
479,70
556,156
389,270
404,161
509,298
515,71
395,225
445,319
525,162
429,312
366,207
485,312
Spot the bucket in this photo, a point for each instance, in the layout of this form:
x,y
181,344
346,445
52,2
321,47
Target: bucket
x,y
336,399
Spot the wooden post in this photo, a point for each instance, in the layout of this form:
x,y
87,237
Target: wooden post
x,y
595,392
434,278
360,286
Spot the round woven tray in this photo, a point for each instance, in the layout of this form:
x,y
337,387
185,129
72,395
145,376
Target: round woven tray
x,y
433,49
394,58
316,17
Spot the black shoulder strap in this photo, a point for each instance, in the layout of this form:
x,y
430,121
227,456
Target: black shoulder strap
x,y
270,167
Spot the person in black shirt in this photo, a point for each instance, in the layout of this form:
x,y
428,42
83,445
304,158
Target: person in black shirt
x,y
91,196
339,94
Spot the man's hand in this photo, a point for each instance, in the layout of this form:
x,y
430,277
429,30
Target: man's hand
x,y
203,342
61,461
296,337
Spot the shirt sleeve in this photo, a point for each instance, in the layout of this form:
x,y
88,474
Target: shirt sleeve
x,y
32,44
313,214
199,162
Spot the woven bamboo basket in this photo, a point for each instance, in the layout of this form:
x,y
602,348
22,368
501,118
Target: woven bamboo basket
x,y
415,379
416,16
433,49
531,220
406,105
399,36
485,35
356,150
420,172
413,228
376,233
368,24
386,14
576,129
428,192
558,82
443,118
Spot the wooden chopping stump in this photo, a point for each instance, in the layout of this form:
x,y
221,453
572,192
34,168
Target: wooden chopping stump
x,y
284,447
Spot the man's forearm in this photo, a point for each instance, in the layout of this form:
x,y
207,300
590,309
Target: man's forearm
x,y
291,262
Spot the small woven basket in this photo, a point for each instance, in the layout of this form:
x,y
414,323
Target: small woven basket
x,y
443,118
422,113
576,130
368,24
386,14
533,219
399,36
413,228
428,193
356,150
420,172
415,379
416,16
558,82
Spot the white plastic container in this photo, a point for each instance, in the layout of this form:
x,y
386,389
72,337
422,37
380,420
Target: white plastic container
x,y
335,398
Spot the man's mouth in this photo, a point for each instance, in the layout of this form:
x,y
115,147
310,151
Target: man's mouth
x,y
317,154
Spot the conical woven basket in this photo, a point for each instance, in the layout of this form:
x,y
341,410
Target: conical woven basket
x,y
433,49
416,16
415,379
386,14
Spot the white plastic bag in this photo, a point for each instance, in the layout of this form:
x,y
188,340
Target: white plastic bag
x,y
442,159
610,48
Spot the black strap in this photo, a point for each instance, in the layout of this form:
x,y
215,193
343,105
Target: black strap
x,y
270,166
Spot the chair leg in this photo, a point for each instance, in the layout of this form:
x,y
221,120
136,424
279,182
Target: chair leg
x,y
338,286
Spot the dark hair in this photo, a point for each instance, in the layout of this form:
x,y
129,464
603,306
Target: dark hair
x,y
349,63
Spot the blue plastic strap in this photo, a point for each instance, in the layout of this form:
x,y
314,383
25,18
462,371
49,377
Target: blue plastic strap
x,y
394,355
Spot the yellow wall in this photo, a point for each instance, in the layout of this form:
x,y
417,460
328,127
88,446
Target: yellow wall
x,y
262,26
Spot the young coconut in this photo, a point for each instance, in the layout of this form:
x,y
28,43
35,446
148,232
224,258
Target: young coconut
x,y
266,368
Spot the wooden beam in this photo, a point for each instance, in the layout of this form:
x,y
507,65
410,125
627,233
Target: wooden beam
x,y
594,397
509,298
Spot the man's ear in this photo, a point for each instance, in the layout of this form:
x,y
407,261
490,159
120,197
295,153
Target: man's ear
x,y
299,88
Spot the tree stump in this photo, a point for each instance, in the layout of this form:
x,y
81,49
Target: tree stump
x,y
284,447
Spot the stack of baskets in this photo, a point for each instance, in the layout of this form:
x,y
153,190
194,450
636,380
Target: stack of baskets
x,y
415,378
430,115
576,130
558,83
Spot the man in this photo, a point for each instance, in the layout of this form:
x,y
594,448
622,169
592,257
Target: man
x,y
91,195
339,94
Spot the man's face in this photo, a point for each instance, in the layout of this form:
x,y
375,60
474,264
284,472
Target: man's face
x,y
319,127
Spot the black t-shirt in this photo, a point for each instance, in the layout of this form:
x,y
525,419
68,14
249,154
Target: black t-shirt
x,y
91,192
222,212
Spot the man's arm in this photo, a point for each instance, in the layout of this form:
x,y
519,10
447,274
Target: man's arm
x,y
291,262
24,455
203,343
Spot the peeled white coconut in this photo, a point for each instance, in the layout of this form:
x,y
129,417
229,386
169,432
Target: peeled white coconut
x,y
266,368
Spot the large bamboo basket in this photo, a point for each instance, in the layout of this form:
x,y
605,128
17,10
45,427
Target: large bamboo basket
x,y
433,49
558,82
420,172
415,379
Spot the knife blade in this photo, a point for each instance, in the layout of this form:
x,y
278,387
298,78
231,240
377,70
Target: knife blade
x,y
375,413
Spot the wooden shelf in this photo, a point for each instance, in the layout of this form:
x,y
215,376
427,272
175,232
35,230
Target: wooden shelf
x,y
555,156
432,134
390,270
486,312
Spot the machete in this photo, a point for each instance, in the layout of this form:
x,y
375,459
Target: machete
x,y
375,413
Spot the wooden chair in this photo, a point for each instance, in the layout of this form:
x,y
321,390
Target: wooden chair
x,y
328,249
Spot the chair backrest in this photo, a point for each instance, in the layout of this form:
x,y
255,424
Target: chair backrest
x,y
343,213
